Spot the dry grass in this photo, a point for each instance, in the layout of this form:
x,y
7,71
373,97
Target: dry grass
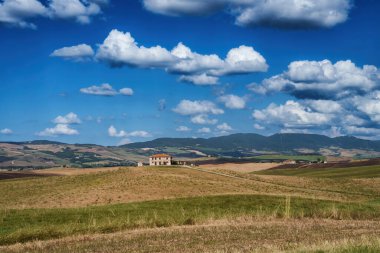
x,y
242,168
239,235
361,188
363,244
118,186
98,187
73,171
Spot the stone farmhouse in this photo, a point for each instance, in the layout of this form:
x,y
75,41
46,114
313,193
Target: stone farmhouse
x,y
160,160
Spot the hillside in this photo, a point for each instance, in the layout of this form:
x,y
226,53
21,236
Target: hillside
x,y
276,142
44,154
248,144
219,209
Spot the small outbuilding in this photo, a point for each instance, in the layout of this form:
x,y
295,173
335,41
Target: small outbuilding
x,y
289,162
160,160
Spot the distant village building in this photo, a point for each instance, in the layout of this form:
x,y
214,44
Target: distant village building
x,y
289,162
160,160
140,164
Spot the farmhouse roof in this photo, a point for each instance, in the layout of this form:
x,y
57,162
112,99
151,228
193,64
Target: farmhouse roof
x,y
160,155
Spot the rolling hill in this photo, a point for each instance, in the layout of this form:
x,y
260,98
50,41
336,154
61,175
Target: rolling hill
x,y
254,143
43,154
276,142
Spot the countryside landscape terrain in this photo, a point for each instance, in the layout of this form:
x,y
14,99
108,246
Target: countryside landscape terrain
x,y
189,126
226,204
246,147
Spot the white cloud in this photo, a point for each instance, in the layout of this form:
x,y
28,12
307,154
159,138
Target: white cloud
x,y
126,91
277,13
187,107
62,126
359,116
79,52
120,49
80,10
142,134
18,12
183,7
322,80
294,13
242,60
106,90
70,118
202,79
224,127
102,90
363,131
183,129
324,106
369,105
189,62
258,126
59,129
203,119
233,101
292,115
334,132
112,132
204,130
6,131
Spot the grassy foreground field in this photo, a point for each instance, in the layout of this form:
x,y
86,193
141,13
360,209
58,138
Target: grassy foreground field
x,y
167,209
243,235
30,224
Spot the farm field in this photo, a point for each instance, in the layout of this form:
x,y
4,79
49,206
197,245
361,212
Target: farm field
x,y
242,168
310,158
225,208
350,172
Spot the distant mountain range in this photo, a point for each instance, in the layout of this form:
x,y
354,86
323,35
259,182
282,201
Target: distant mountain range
x,y
287,142
43,154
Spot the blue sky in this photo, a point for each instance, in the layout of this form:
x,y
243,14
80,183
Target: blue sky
x,y
294,66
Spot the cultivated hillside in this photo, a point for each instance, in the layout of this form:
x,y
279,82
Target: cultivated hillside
x,y
44,154
248,144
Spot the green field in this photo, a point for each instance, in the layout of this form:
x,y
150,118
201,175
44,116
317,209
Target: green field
x,y
351,172
31,224
173,209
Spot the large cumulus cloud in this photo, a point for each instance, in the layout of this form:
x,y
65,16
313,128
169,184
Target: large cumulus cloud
x,y
331,98
322,80
120,49
357,115
18,12
276,13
